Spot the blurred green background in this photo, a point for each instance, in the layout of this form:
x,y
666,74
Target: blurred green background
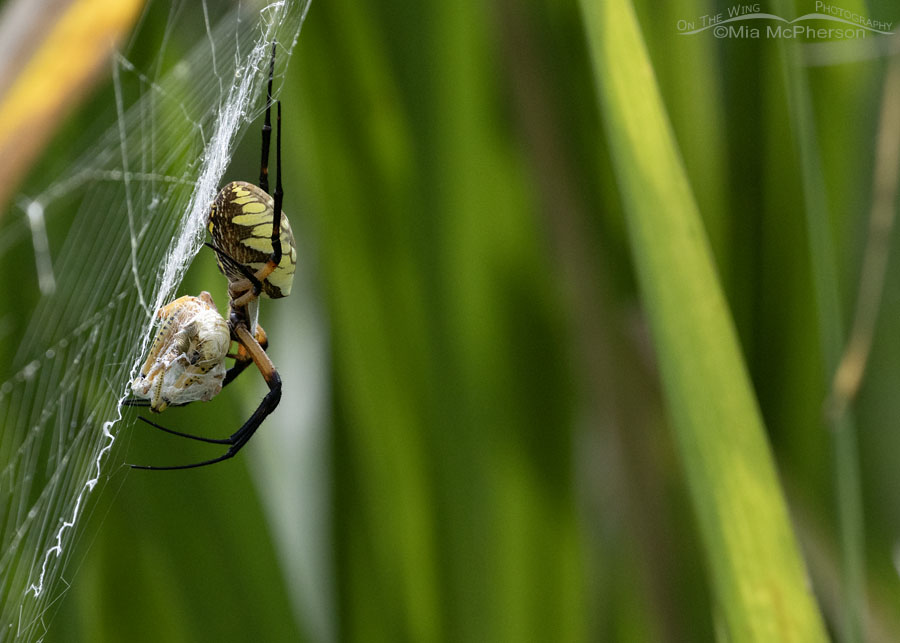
x,y
486,454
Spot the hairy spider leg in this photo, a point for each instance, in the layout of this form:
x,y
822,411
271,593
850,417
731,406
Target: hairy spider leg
x,y
239,438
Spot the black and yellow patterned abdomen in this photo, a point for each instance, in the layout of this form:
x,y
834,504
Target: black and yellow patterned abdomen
x,y
240,223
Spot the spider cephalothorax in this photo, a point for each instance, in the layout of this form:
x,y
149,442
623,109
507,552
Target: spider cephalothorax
x,y
255,249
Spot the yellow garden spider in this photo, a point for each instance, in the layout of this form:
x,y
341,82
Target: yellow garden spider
x,y
255,250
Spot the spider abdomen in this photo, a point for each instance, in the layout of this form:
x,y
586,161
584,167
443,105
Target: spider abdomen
x,y
240,222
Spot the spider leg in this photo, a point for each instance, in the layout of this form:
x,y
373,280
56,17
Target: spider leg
x,y
277,198
243,359
240,364
185,435
140,401
267,128
239,438
229,454
135,401
277,201
250,286
237,265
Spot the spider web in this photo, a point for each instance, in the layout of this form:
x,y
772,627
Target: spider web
x,y
142,191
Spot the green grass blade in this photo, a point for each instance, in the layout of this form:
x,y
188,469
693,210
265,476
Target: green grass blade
x,y
757,575
847,479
